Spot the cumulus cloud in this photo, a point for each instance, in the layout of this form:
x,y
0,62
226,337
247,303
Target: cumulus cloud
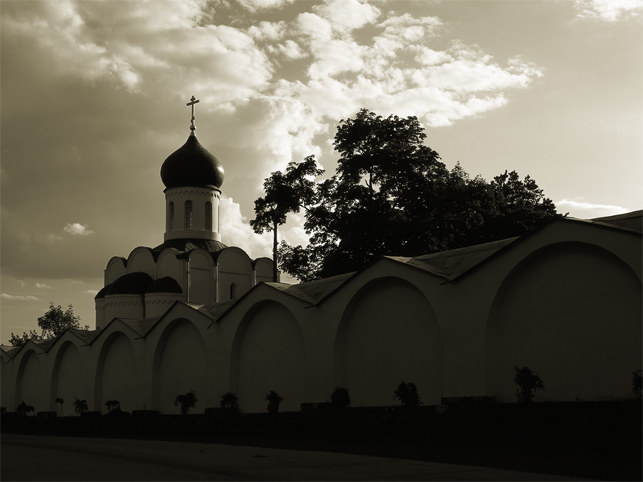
x,y
608,10
587,210
77,229
7,296
43,286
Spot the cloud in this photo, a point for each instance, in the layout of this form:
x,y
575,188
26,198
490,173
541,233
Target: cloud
x,y
42,286
254,5
77,229
235,231
91,292
586,210
608,10
7,296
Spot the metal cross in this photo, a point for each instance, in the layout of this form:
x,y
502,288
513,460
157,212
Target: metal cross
x,y
193,101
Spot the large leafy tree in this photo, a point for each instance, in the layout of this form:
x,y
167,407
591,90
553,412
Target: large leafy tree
x,y
392,195
284,193
52,324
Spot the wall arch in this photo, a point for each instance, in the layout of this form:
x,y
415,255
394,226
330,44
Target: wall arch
x,y
68,378
268,354
29,382
117,373
572,313
388,334
179,367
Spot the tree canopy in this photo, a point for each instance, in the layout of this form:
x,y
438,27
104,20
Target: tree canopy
x,y
392,195
52,324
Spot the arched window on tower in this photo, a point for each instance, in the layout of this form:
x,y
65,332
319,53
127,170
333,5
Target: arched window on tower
x,y
208,216
188,214
171,214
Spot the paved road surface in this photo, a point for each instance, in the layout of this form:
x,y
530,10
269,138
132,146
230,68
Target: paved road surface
x,y
29,457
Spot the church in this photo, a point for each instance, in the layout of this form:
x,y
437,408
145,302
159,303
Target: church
x,y
193,314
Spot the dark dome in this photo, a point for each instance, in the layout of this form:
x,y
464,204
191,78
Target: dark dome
x,y
130,284
192,165
166,284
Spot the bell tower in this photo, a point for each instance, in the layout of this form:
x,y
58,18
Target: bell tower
x,y
193,179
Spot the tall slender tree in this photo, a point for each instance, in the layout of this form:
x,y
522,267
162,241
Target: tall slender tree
x,y
285,193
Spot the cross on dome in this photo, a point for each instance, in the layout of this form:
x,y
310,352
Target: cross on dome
x,y
193,101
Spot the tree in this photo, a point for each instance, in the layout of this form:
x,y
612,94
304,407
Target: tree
x,y
24,409
112,405
80,406
392,195
407,393
229,402
284,193
274,400
340,398
60,401
52,324
528,383
637,383
187,401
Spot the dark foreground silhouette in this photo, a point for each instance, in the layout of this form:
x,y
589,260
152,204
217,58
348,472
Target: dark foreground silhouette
x,y
598,440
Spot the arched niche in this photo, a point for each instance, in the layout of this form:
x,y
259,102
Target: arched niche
x,y
201,272
117,373
141,260
388,334
234,266
68,378
169,265
571,312
179,367
268,354
263,270
30,382
116,267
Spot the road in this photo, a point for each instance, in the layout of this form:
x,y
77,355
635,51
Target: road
x,y
30,457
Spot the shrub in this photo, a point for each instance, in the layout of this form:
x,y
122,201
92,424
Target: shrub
x,y
407,393
274,400
112,405
80,406
61,401
340,398
229,402
24,409
528,384
637,380
187,401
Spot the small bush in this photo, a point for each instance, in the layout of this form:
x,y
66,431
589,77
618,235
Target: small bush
x,y
229,402
407,393
112,405
340,398
637,381
24,409
274,400
80,406
528,384
187,401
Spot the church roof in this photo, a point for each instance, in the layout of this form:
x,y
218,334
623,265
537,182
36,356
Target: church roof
x,y
454,262
632,220
167,284
135,283
185,245
192,165
313,291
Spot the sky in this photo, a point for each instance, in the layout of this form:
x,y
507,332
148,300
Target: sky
x,y
93,99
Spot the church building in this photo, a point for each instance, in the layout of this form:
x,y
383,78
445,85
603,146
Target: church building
x,y
193,314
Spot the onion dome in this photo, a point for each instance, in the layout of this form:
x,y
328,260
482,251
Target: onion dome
x,y
130,284
192,165
167,284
